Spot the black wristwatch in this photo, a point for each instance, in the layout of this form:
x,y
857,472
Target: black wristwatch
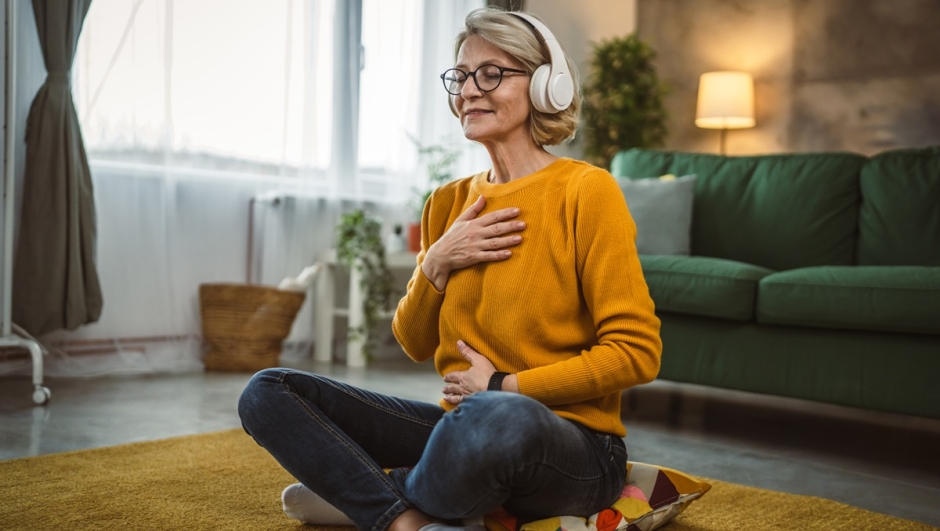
x,y
496,381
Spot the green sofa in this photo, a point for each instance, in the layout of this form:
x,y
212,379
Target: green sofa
x,y
814,276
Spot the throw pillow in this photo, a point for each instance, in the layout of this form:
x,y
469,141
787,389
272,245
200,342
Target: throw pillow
x,y
662,211
652,497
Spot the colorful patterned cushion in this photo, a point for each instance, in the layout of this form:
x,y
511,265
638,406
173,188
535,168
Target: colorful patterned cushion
x,y
653,496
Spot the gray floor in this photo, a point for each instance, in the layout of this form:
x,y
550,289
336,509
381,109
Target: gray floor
x,y
884,463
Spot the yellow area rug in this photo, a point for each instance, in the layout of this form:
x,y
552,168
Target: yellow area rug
x,y
224,480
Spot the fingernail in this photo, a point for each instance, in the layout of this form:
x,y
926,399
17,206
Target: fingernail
x,y
460,343
515,211
517,239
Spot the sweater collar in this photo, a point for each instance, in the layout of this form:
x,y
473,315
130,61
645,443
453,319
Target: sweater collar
x,y
487,189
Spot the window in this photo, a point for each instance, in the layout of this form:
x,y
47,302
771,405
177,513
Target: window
x,y
241,86
389,84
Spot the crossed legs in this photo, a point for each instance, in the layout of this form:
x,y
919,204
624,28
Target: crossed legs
x,y
495,449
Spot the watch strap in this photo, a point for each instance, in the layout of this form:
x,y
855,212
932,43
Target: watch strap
x,y
496,381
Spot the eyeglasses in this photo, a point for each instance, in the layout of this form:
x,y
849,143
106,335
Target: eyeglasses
x,y
486,78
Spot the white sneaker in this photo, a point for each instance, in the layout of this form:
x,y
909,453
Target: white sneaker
x,y
301,503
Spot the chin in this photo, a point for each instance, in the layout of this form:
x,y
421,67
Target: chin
x,y
471,135
476,135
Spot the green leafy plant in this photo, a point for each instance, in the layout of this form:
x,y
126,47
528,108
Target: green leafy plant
x,y
439,160
623,100
360,246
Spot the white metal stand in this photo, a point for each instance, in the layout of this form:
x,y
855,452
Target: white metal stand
x,y
326,308
41,394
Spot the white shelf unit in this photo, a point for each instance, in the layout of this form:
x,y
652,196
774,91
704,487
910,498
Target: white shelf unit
x,y
326,310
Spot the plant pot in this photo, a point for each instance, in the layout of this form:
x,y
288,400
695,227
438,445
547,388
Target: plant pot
x,y
414,237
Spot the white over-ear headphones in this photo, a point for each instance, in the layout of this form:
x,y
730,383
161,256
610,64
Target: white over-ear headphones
x,y
551,88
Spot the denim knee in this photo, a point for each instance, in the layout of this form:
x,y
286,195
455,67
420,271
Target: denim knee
x,y
502,408
505,426
256,397
479,452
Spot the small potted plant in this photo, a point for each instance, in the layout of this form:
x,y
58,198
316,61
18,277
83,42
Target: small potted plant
x,y
360,246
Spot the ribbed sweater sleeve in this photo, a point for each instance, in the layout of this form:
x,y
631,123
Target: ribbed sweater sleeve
x,y
416,321
628,346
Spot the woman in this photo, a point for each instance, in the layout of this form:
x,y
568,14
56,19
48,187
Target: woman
x,y
528,282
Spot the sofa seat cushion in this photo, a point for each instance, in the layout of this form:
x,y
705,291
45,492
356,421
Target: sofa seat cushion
x,y
703,286
875,298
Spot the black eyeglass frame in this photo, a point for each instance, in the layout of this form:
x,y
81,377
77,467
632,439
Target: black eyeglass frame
x,y
473,74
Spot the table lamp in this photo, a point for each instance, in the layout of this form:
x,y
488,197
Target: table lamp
x,y
725,101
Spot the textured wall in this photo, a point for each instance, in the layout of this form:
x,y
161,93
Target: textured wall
x,y
579,25
854,75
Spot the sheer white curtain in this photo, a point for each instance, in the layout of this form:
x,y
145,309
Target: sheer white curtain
x,y
401,98
191,109
440,25
229,85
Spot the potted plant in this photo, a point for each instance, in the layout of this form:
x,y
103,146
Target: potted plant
x,y
360,246
439,160
623,100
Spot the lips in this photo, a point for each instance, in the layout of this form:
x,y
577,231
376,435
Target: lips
x,y
472,113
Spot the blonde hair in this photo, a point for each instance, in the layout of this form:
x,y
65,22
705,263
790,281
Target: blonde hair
x,y
512,35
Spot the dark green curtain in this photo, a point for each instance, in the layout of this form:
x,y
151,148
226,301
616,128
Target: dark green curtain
x,y
55,282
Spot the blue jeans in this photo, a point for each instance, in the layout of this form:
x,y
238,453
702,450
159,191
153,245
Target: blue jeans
x,y
494,449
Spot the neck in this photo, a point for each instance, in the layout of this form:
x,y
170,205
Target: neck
x,y
512,160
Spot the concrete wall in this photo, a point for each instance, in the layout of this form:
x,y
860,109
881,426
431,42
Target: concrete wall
x,y
577,26
854,75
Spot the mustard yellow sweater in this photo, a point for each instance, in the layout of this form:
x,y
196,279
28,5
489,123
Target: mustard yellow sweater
x,y
569,313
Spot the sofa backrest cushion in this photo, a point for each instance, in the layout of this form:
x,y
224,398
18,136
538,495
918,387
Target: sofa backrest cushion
x,y
774,211
899,220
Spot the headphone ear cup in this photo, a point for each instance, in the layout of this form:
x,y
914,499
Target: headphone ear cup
x,y
538,90
452,105
561,91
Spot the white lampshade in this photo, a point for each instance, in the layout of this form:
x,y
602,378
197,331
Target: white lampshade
x,y
725,101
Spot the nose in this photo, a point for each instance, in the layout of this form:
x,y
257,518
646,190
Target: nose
x,y
470,89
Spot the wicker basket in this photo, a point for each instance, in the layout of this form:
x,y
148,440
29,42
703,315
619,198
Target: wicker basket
x,y
245,325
